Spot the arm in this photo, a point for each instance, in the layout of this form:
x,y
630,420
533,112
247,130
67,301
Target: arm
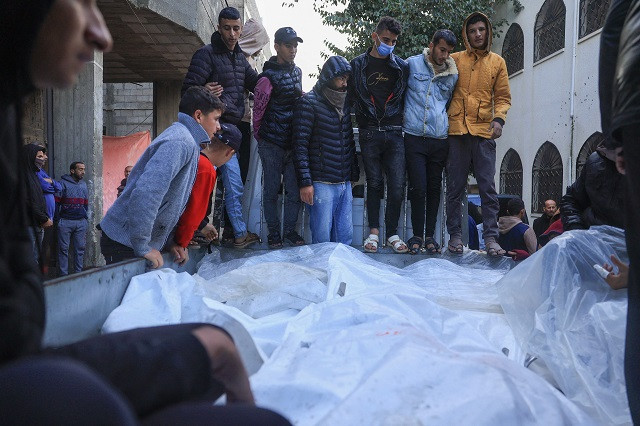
x,y
530,240
609,41
196,208
262,95
200,69
303,122
501,94
574,202
250,77
152,185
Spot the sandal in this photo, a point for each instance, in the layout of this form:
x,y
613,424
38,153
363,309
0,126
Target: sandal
x,y
294,238
372,240
432,246
493,248
415,244
397,244
274,241
455,245
248,239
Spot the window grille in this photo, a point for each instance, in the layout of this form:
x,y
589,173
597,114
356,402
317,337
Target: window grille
x,y
548,36
587,149
513,49
592,15
511,174
547,176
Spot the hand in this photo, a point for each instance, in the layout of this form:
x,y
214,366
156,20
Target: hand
x,y
214,88
180,254
226,364
155,258
306,194
47,224
210,232
620,161
496,129
48,180
619,280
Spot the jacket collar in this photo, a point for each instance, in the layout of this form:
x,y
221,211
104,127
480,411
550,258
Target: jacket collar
x,y
272,63
196,130
219,46
452,69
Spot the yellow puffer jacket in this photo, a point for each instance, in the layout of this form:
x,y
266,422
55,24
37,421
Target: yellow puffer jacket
x,y
482,93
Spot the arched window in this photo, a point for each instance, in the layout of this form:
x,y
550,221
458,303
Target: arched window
x,y
547,176
511,174
513,49
592,15
548,35
587,149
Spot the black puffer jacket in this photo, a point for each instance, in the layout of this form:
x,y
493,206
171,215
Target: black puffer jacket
x,y
323,143
619,64
360,96
36,206
214,62
286,81
596,198
21,297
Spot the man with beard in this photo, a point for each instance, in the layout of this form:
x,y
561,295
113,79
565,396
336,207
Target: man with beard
x,y
325,154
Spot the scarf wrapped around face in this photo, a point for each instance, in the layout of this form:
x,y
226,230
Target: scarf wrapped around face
x,y
336,99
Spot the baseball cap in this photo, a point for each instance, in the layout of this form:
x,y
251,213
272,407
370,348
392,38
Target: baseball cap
x,y
230,135
286,34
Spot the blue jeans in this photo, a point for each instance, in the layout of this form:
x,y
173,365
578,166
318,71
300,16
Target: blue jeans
x,y
383,154
233,190
277,164
68,229
36,235
330,215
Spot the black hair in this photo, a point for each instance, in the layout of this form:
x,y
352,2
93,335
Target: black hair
x,y
514,206
477,18
389,23
447,35
230,13
199,98
74,164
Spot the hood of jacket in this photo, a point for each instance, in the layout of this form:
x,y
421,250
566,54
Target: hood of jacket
x,y
218,44
451,65
334,67
19,23
272,64
30,151
68,178
506,223
254,37
489,33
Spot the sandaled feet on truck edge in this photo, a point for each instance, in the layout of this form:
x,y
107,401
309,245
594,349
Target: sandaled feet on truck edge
x,y
455,244
431,246
397,244
294,239
371,244
415,244
247,240
493,248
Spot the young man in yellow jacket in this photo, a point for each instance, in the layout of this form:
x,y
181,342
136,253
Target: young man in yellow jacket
x,y
477,113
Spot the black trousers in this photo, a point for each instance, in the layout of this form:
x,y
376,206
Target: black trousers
x,y
244,156
160,375
426,158
631,143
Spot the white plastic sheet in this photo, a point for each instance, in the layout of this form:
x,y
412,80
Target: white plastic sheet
x,y
363,342
566,314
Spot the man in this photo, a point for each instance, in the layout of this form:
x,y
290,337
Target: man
x,y
222,68
140,221
432,78
325,154
477,113
542,223
377,88
212,154
123,182
277,91
620,113
112,379
38,217
517,238
597,196
74,211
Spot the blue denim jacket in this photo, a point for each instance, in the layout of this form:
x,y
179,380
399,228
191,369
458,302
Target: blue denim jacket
x,y
427,96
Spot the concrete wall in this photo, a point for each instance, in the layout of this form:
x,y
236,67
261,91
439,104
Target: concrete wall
x,y
541,96
128,108
166,99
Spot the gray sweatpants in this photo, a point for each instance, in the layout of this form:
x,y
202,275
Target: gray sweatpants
x,y
480,154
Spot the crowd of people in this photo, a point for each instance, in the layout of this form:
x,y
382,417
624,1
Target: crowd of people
x,y
436,111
